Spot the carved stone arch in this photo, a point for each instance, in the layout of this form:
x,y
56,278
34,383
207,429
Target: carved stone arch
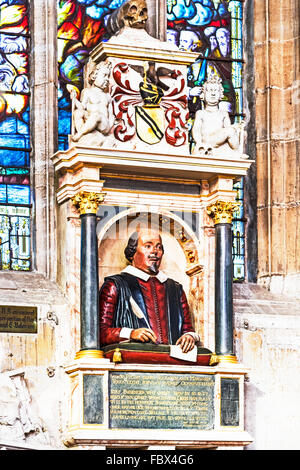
x,y
178,228
184,265
164,220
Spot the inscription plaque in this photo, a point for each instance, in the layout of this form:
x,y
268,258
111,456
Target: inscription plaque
x,y
93,399
161,400
16,319
229,402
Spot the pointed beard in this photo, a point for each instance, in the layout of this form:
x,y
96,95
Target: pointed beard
x,y
153,268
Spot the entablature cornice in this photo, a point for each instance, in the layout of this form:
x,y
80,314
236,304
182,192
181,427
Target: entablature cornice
x,y
140,46
167,165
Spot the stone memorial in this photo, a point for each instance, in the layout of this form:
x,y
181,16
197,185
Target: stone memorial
x,y
155,366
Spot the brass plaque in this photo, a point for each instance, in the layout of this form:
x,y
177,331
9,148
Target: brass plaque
x,y
16,319
154,400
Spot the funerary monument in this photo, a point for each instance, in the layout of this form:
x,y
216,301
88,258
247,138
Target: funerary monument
x,y
155,363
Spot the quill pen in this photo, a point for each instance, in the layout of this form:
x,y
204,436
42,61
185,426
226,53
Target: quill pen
x,y
137,310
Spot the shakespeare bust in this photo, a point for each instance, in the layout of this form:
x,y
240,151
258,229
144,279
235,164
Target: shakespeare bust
x,y
141,303
212,132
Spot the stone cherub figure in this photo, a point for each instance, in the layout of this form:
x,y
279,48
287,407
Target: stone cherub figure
x,y
212,131
92,115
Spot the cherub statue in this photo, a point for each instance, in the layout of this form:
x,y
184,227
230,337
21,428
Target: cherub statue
x,y
212,131
93,113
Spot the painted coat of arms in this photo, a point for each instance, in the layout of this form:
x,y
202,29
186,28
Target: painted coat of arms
x,y
150,103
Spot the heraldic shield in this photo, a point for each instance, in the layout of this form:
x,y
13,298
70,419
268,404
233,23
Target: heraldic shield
x,y
150,118
150,123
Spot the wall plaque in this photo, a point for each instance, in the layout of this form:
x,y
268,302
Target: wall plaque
x,y
229,402
142,400
16,319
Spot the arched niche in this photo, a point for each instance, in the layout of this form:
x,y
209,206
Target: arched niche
x,y
181,260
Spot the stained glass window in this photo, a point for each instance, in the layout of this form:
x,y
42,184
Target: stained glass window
x,y
14,136
81,26
238,235
214,30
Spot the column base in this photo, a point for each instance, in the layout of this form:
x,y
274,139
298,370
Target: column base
x,y
89,353
226,359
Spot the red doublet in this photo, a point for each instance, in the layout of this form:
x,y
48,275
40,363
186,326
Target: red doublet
x,y
155,301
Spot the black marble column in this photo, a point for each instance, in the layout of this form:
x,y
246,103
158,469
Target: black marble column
x,y
89,284
222,212
87,204
223,290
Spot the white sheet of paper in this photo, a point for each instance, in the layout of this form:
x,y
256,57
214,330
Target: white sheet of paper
x,y
176,351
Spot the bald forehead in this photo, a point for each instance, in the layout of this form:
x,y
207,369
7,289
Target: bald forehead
x,y
149,235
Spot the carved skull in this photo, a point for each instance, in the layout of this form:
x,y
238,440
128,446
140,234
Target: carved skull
x,y
135,14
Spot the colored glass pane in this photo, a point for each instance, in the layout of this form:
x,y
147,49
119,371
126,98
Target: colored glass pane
x,y
14,16
14,238
81,26
14,135
238,235
214,30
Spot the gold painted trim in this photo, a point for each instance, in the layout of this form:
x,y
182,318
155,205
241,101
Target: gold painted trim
x,y
187,182
117,356
155,193
194,269
87,203
214,360
227,359
89,354
119,350
222,211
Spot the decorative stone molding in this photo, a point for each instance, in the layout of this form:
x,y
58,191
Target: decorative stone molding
x,y
87,203
222,212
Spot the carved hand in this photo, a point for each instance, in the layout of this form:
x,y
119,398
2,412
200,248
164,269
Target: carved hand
x,y
144,335
195,91
72,90
186,342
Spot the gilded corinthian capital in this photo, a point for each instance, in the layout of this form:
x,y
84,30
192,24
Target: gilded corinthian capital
x,y
87,203
222,212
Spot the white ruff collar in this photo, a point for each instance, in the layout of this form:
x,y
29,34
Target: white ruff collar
x,y
161,276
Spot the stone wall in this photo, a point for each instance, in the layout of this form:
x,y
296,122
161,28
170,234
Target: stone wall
x,y
267,338
33,384
267,326
277,80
